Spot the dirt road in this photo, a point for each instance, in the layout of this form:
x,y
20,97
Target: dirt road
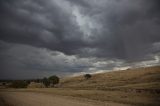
x,y
41,99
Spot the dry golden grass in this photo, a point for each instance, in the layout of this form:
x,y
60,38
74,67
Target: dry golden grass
x,y
145,78
36,85
140,87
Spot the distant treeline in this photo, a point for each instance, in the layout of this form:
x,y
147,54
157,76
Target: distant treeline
x,y
47,82
50,81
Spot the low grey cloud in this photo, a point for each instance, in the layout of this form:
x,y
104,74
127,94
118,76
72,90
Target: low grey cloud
x,y
39,38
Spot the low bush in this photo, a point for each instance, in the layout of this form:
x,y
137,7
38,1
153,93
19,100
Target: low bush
x,y
19,84
87,76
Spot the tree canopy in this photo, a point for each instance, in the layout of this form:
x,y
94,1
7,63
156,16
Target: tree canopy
x,y
54,79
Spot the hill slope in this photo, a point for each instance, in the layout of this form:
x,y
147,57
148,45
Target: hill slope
x,y
139,78
136,87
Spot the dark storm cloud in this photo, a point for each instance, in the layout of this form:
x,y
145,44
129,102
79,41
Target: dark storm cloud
x,y
69,36
83,3
19,61
129,28
41,23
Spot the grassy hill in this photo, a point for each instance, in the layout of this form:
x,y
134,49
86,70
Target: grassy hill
x,y
136,87
139,87
139,78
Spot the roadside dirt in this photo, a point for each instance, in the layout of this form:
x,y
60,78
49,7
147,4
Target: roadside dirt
x,y
41,99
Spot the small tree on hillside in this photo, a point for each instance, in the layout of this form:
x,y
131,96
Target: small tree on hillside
x,y
54,79
87,76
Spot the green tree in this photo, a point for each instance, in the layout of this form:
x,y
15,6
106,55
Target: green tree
x,y
54,79
46,81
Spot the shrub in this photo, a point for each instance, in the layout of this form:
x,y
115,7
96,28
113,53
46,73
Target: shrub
x,y
19,84
3,83
87,76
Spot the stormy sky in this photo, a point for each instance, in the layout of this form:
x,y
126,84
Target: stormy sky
x,y
70,37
